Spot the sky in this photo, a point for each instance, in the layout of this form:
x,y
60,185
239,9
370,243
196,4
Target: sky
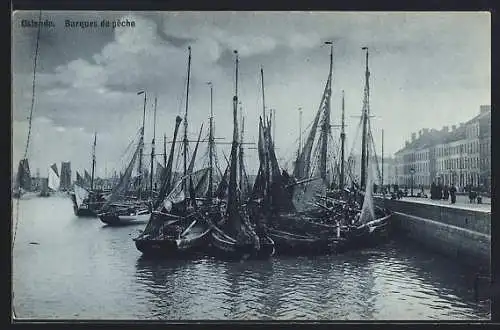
x,y
427,70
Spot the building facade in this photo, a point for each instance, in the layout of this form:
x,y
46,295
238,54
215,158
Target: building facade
x,y
460,155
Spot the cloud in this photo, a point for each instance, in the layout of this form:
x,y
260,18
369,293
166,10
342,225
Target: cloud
x,y
427,69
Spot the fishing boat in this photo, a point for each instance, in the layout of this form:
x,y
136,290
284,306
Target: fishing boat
x,y
120,208
22,184
179,224
86,200
234,236
361,221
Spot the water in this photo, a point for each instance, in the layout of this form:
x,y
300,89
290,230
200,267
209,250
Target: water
x,y
81,269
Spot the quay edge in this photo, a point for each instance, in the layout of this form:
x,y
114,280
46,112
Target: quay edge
x,y
460,233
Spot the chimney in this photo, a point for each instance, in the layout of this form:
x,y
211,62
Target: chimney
x,y
407,143
445,129
420,133
453,127
484,109
426,130
413,136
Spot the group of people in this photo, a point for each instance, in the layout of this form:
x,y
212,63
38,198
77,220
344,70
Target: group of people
x,y
438,191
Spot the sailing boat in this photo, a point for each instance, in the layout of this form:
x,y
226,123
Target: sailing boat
x,y
365,225
54,180
22,184
87,201
234,236
178,224
116,210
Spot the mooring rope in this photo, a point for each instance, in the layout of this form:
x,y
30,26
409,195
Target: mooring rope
x,y
27,141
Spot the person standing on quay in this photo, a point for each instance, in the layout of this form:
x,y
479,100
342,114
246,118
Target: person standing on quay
x,y
453,196
446,193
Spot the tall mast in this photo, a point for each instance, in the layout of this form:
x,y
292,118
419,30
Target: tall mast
x,y
153,150
325,129
240,157
232,189
342,139
211,143
365,114
382,180
300,132
93,163
141,152
274,124
263,95
164,150
185,142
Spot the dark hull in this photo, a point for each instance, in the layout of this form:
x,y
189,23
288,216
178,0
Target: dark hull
x,y
371,234
116,220
190,244
293,244
84,210
226,247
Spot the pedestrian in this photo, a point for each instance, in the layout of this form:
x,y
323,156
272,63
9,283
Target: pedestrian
x,y
446,193
453,196
433,190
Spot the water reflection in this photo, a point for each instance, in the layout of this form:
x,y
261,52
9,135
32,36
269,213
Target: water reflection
x,y
81,269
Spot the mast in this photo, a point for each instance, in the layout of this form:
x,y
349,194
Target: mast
x,y
240,156
153,150
164,150
325,129
141,141
365,113
211,144
185,142
232,189
382,180
300,132
274,125
93,163
342,139
263,95
266,149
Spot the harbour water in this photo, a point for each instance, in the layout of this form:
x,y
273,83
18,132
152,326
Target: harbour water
x,y
66,267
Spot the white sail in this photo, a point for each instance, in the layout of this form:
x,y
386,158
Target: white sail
x,y
54,180
80,194
367,211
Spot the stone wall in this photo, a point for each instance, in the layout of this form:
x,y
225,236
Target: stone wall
x,y
458,233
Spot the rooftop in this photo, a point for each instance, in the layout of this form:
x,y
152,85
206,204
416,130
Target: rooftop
x,y
428,138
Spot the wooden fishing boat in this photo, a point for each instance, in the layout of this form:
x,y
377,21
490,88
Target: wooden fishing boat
x,y
234,237
122,214
171,238
179,226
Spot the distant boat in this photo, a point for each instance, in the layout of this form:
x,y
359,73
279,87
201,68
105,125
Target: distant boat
x,y
54,181
87,201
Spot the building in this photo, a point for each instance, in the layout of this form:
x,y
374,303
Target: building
x,y
460,155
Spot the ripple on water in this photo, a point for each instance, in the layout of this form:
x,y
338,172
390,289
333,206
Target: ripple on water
x,y
83,270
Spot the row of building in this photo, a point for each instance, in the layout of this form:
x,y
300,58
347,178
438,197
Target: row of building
x,y
460,155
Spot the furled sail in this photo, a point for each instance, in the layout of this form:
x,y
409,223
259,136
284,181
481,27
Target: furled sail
x,y
123,185
367,210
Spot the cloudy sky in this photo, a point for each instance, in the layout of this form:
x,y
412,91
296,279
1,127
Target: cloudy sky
x,y
427,70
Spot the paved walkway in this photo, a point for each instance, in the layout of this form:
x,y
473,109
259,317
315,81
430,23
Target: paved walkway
x,y
462,202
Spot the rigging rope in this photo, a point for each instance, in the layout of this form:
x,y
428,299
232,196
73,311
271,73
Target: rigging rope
x,y
28,139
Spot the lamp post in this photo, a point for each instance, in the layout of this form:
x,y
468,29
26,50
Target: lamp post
x,y
412,171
